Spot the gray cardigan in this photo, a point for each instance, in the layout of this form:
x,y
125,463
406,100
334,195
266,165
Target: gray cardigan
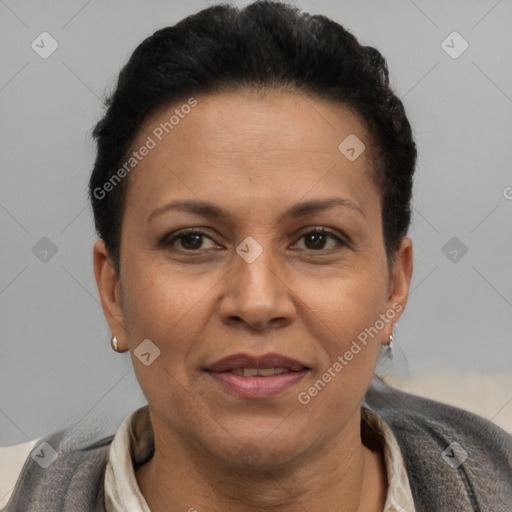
x,y
474,475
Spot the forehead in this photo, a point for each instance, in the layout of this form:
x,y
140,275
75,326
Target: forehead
x,y
242,145
254,120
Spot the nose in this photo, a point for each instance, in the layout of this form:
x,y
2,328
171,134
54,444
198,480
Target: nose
x,y
257,293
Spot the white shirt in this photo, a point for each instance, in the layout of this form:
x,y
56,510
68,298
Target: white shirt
x,y
134,441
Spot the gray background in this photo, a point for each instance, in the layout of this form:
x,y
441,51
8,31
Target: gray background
x,y
57,367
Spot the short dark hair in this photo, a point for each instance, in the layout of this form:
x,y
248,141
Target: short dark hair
x,y
266,45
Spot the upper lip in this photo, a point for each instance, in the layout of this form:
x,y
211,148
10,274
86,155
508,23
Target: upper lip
x,y
236,361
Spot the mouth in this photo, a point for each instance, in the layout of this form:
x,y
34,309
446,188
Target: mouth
x,y
257,377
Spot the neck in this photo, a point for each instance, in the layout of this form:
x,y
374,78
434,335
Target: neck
x,y
342,475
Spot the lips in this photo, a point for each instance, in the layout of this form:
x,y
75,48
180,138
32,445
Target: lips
x,y
251,377
241,361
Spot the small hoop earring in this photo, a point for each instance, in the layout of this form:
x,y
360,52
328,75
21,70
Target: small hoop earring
x,y
113,344
389,347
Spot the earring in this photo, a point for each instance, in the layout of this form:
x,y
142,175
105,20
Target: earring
x,y
389,347
113,344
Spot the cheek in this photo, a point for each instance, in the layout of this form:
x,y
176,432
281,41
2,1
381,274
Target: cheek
x,y
344,307
345,312
165,310
164,306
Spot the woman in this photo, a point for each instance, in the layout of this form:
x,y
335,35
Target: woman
x,y
251,194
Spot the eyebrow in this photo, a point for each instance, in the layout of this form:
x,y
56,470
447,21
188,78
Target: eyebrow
x,y
210,210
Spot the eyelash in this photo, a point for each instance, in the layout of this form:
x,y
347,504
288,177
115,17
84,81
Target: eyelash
x,y
169,239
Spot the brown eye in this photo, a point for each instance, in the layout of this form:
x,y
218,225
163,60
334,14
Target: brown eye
x,y
190,240
316,239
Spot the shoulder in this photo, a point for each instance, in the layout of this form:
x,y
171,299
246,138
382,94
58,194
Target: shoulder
x,y
486,394
451,455
12,459
405,411
72,461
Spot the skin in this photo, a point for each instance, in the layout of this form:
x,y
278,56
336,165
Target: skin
x,y
197,300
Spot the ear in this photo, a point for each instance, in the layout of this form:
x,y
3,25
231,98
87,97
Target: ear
x,y
109,288
399,282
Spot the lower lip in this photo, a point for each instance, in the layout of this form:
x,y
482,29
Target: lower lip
x,y
258,387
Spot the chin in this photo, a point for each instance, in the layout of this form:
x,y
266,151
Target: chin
x,y
258,449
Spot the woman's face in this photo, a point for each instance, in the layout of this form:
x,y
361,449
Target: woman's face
x,y
254,282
